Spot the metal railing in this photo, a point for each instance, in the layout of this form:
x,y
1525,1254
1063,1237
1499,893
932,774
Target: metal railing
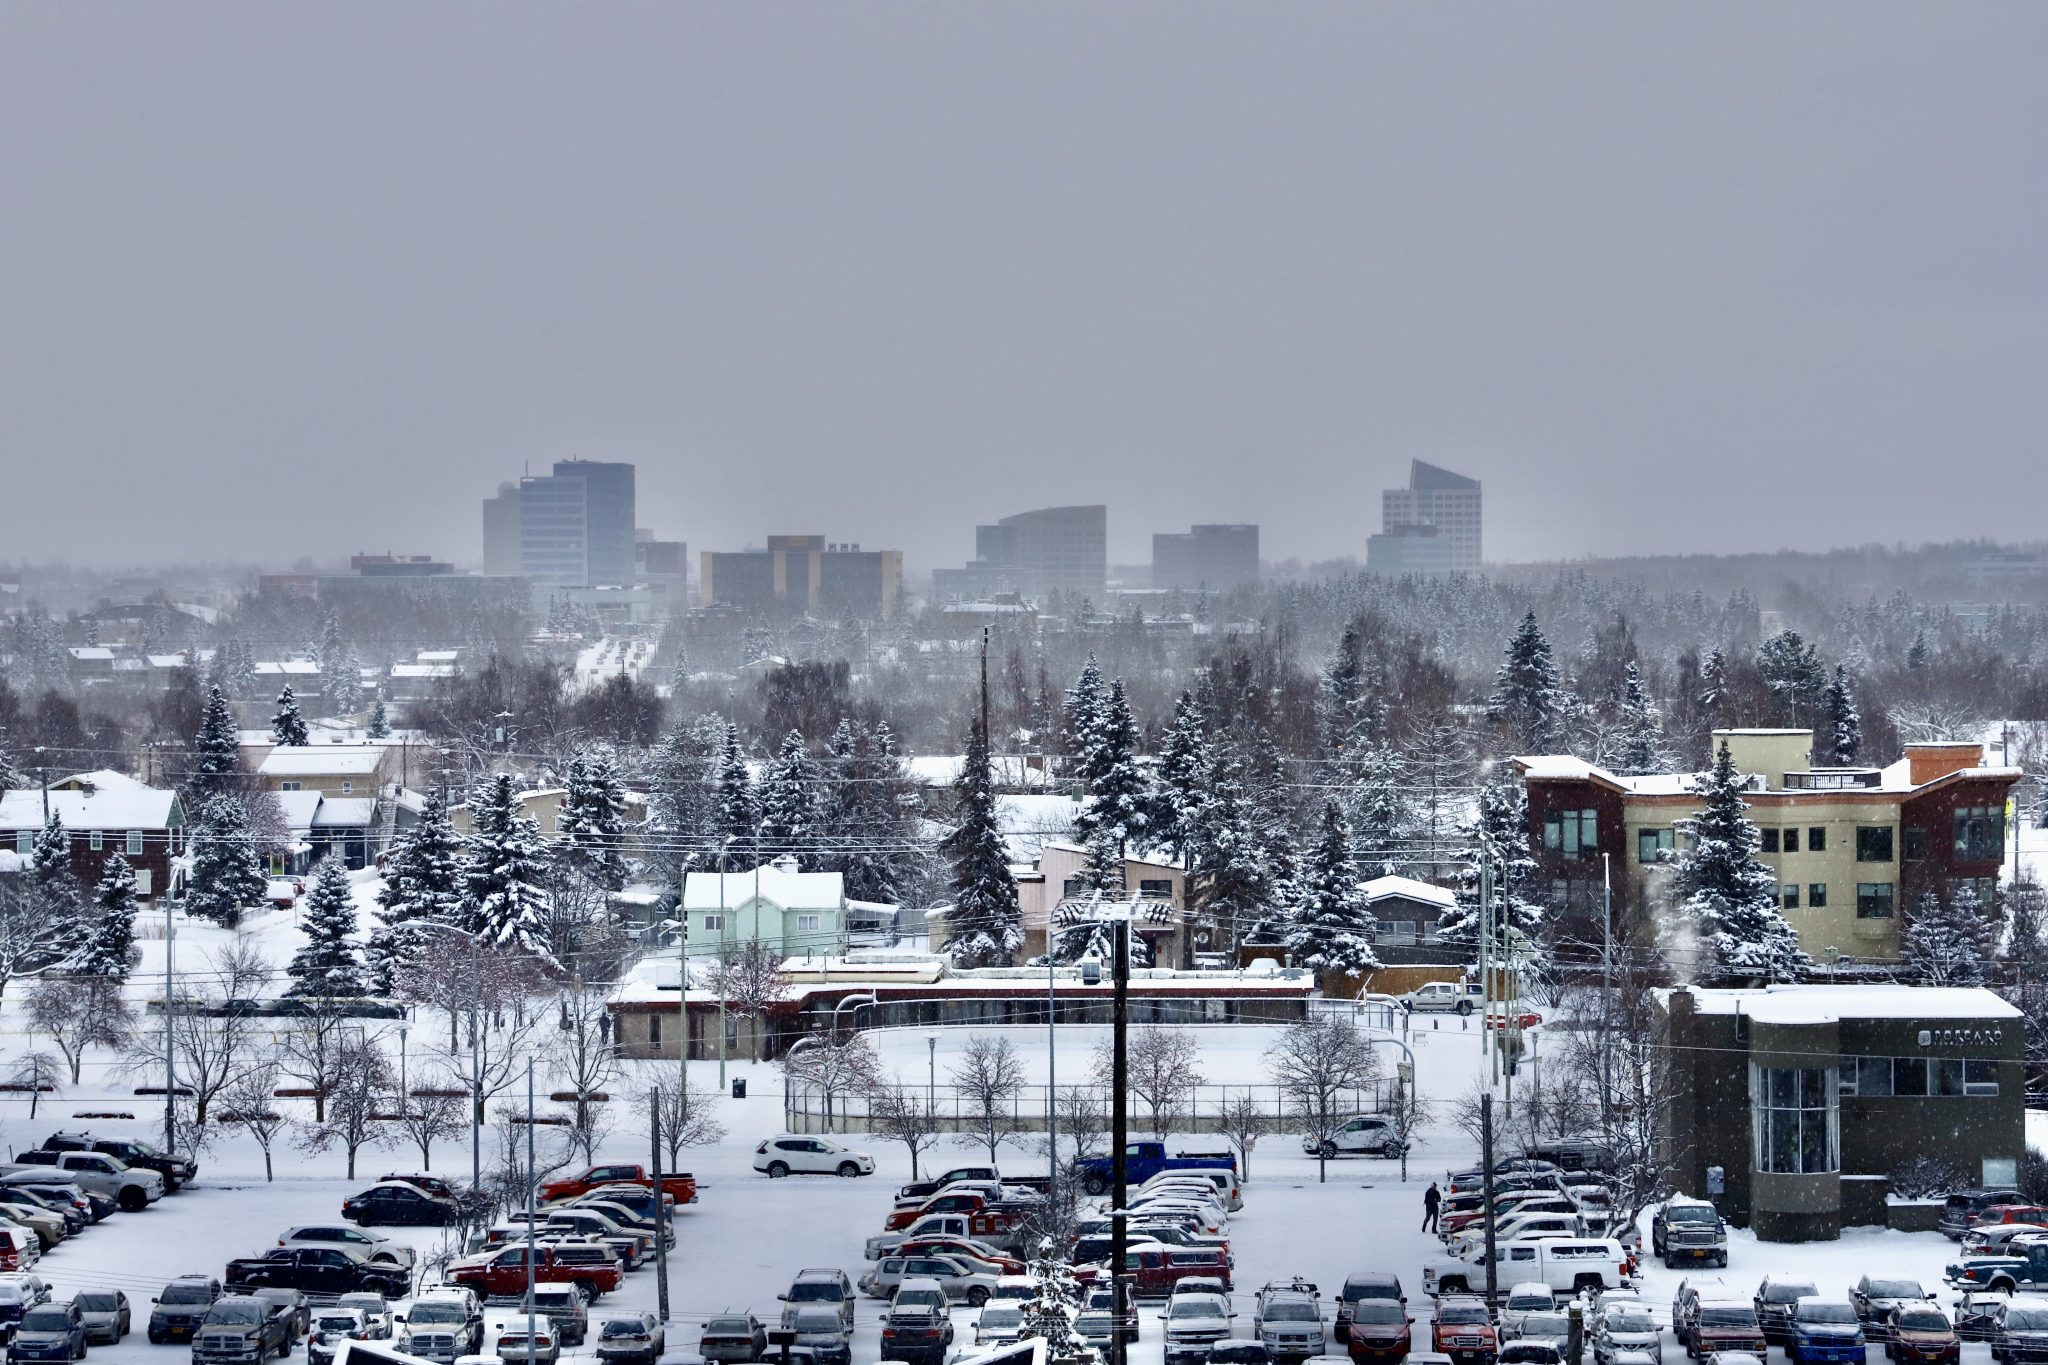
x,y
808,1109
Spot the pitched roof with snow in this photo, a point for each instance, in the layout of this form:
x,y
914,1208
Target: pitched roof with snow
x,y
1381,888
322,760
347,812
115,807
790,890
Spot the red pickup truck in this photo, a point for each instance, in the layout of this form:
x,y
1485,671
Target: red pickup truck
x,y
502,1273
968,1204
680,1186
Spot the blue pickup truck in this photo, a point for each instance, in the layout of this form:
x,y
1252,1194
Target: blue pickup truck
x,y
1142,1161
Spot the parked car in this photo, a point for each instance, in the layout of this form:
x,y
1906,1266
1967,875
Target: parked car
x,y
829,1340
49,1331
1463,1330
564,1307
503,1273
106,1314
293,1306
176,1313
1720,1327
442,1325
1683,1229
794,1154
1193,1323
1360,1285
1531,1351
131,1189
325,1270
1775,1300
1531,1296
1921,1332
1456,997
20,1249
330,1328
19,1292
1977,1313
240,1328
1239,1351
812,1288
398,1203
732,1339
1378,1332
998,1324
1875,1298
177,1168
961,1283
2019,1331
1965,1207
920,1334
678,1185
1624,1330
1362,1135
1550,1326
376,1310
539,1346
432,1184
1823,1331
639,1338
370,1246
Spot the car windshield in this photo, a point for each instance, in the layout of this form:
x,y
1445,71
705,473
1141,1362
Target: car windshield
x,y
239,1314
96,1303
1196,1306
624,1327
1630,1321
1924,1320
1285,1311
1692,1213
186,1293
1522,1303
1727,1317
1786,1291
1893,1289
1386,1313
814,1291
815,1321
1527,1353
335,1322
1826,1312
994,1316
437,1312
1462,1316
2026,1320
46,1320
1546,1325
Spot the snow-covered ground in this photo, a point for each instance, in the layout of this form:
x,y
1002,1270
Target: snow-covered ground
x,y
610,657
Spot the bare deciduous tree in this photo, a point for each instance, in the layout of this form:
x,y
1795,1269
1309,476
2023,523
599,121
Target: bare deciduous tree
x,y
1163,1066
32,931
35,1072
834,1070
1320,1065
250,1105
424,1120
310,1048
988,1078
212,1033
689,1118
582,1056
486,991
362,1080
907,1115
1242,1121
750,979
77,1013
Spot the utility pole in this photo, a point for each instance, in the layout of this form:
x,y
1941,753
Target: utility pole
x,y
1052,1084
1119,1228
660,1233
170,1034
985,736
1606,976
531,1222
1486,1183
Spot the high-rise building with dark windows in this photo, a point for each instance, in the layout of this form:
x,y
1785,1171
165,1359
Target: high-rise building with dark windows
x,y
572,528
1435,498
1054,549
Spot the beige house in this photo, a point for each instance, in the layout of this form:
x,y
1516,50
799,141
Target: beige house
x,y
1057,878
330,769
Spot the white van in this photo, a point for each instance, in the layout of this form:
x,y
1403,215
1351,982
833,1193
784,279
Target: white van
x,y
1567,1265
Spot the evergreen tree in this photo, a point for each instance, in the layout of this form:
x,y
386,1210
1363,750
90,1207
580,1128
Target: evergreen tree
x,y
1331,929
738,817
328,964
59,893
791,814
1727,892
872,814
1342,690
1713,694
1917,654
1844,733
216,751
984,927
1639,746
1274,818
504,896
109,954
1382,813
423,877
1117,817
227,876
287,726
344,686
10,775
1499,833
380,722
331,652
1527,698
1792,670
681,784
1236,886
1082,714
593,820
1949,944
1054,1305
1183,764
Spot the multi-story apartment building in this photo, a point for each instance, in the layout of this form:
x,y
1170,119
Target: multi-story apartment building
x,y
1216,558
1853,848
571,528
1449,502
804,573
1054,549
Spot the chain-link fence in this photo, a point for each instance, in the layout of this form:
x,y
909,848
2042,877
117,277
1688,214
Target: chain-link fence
x,y
809,1109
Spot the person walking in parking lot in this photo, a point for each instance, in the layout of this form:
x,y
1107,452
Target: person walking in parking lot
x,y
1430,1200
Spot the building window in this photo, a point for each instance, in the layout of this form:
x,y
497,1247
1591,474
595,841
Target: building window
x,y
1791,841
143,882
1817,895
347,788
135,843
1651,844
1071,888
1980,1077
1816,838
1873,900
1796,1119
1161,887
1770,841
1873,843
1789,894
808,924
654,1030
1916,843
96,840
714,924
1573,833
1980,832
290,786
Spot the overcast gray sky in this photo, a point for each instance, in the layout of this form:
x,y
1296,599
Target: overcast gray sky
x,y
282,279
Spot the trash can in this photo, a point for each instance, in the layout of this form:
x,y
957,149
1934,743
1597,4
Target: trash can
x,y
739,1087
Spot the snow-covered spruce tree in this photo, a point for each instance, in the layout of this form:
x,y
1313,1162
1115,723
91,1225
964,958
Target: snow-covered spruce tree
x,y
328,964
791,819
1331,930
1843,733
1236,889
1713,693
344,686
287,726
1918,653
872,814
1275,818
1639,739
380,720
1081,715
1178,787
738,815
331,652
10,774
227,876
1117,818
984,927
423,877
1382,815
1501,831
1342,689
50,879
1727,892
1792,670
593,820
1055,1303
1527,698
504,893
1949,944
108,955
216,750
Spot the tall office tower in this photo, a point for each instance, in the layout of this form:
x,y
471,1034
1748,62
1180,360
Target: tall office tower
x,y
1063,549
1216,558
1437,497
554,531
501,531
608,519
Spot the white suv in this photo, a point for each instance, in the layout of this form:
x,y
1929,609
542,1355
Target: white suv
x,y
796,1154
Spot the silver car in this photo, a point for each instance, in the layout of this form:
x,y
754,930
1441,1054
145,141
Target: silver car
x,y
106,1315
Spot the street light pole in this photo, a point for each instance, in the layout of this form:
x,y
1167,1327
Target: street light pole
x,y
1052,1080
1119,1227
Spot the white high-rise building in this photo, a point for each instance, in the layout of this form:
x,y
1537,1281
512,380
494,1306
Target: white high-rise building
x,y
1435,497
